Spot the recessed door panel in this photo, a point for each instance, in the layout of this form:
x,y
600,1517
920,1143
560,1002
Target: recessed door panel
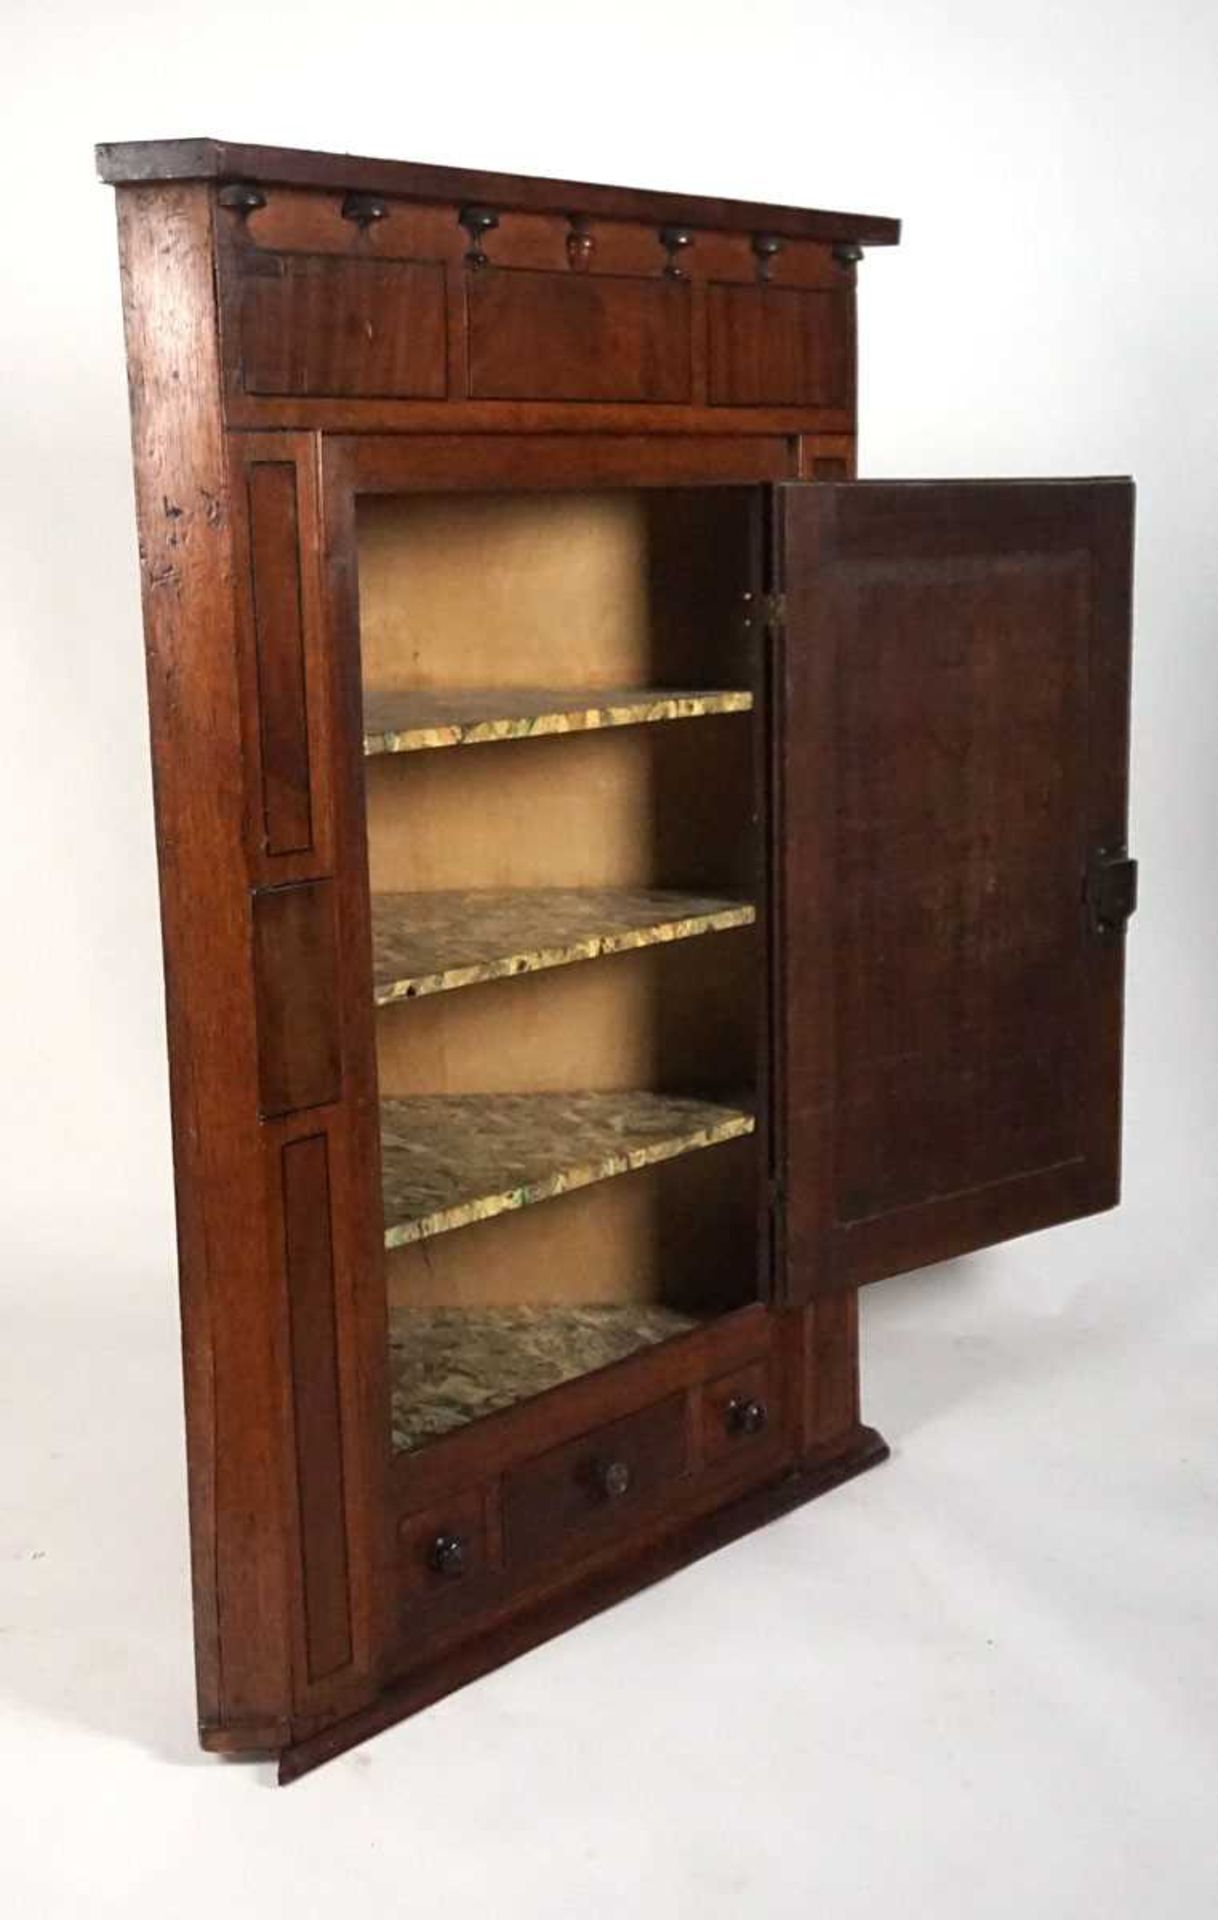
x,y
953,696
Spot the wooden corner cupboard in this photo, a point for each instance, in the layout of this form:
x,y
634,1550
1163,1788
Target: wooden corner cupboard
x,y
625,883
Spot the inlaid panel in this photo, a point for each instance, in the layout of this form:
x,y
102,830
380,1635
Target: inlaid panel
x,y
778,346
550,336
283,725
319,324
295,979
309,1264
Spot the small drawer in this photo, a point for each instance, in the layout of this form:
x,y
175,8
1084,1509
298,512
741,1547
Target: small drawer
x,y
740,1413
594,1485
445,1550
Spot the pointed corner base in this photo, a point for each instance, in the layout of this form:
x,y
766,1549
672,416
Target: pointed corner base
x,y
702,1535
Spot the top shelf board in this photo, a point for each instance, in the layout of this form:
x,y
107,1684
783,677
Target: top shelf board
x,y
412,721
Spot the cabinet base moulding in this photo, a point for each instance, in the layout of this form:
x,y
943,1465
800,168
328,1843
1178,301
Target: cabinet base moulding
x,y
554,1615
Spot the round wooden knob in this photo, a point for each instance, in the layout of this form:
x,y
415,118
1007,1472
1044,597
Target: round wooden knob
x,y
614,1479
745,1416
446,1555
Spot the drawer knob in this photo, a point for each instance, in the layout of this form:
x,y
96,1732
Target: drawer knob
x,y
614,1478
745,1416
446,1555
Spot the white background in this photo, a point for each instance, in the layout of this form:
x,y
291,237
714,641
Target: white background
x,y
979,1682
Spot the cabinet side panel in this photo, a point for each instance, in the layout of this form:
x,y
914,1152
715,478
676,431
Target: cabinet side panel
x,y
232,1339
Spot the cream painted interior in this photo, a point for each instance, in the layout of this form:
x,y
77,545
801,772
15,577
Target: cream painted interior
x,y
587,591
616,588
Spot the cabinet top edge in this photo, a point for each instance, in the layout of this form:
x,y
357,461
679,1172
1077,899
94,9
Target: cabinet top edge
x,y
145,162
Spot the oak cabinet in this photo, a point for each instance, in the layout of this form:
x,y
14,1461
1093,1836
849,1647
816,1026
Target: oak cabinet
x,y
626,882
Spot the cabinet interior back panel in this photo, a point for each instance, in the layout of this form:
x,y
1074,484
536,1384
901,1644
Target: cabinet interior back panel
x,y
553,589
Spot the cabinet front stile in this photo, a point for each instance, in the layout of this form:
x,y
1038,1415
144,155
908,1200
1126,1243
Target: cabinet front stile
x,y
316,1100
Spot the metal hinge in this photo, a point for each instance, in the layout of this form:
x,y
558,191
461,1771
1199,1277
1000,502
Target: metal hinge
x,y
764,610
778,1204
777,1252
1110,890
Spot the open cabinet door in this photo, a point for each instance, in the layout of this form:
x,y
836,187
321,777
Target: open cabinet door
x,y
951,692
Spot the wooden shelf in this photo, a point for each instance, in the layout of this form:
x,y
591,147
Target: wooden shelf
x,y
450,1365
448,1160
430,942
412,721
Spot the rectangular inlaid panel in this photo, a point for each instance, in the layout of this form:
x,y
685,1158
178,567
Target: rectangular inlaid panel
x,y
283,726
295,980
947,766
474,716
564,1496
368,329
778,346
309,1262
432,942
564,336
450,1159
961,780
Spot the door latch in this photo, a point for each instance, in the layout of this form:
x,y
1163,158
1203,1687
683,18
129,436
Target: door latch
x,y
1110,890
